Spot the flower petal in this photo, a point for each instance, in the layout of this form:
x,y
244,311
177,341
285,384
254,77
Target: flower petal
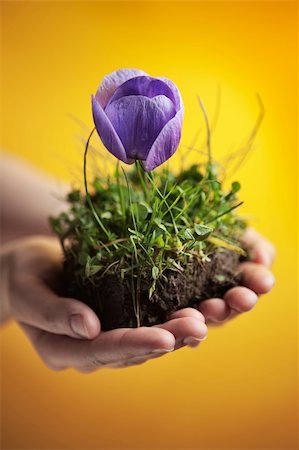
x,y
166,143
138,121
144,85
176,93
112,81
107,133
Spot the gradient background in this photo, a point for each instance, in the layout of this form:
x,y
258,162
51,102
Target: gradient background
x,y
239,389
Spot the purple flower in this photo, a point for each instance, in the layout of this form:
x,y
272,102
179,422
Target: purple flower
x,y
138,117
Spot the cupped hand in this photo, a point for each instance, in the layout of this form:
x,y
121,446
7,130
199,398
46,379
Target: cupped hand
x,y
67,333
256,279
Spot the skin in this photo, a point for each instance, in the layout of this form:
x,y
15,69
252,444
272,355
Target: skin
x,y
256,280
67,334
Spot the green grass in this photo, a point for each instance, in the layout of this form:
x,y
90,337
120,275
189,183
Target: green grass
x,y
139,224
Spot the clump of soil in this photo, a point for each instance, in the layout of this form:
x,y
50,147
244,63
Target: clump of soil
x,y
111,298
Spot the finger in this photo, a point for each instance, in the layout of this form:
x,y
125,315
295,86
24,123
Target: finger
x,y
110,347
40,340
129,363
135,361
214,309
37,305
118,347
124,343
256,277
261,250
240,299
187,312
186,330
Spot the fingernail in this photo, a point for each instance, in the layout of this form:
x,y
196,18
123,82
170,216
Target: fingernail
x,y
78,325
193,341
162,350
268,282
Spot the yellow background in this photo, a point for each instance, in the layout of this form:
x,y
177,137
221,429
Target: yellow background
x,y
238,390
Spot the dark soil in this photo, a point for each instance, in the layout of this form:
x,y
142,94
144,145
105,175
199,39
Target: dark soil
x,y
111,297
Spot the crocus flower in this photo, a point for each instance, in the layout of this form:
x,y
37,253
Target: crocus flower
x,y
138,117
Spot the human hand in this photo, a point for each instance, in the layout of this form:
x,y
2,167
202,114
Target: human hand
x,y
256,279
67,333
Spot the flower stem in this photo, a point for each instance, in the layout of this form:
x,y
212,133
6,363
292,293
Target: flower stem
x,y
140,172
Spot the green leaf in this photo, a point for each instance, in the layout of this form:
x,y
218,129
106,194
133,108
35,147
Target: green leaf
x,y
94,269
55,224
155,272
99,255
141,210
146,205
90,268
159,223
159,241
235,187
83,258
216,186
74,196
106,215
188,234
202,231
152,289
220,278
135,234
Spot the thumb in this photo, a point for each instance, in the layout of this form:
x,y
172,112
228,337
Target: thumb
x,y
34,303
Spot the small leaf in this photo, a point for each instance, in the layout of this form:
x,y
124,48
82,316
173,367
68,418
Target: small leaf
x,y
159,242
188,234
135,210
106,215
220,278
152,289
235,187
177,243
146,206
74,196
143,212
93,270
159,223
215,186
155,272
82,258
153,237
99,255
202,231
135,234
56,225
